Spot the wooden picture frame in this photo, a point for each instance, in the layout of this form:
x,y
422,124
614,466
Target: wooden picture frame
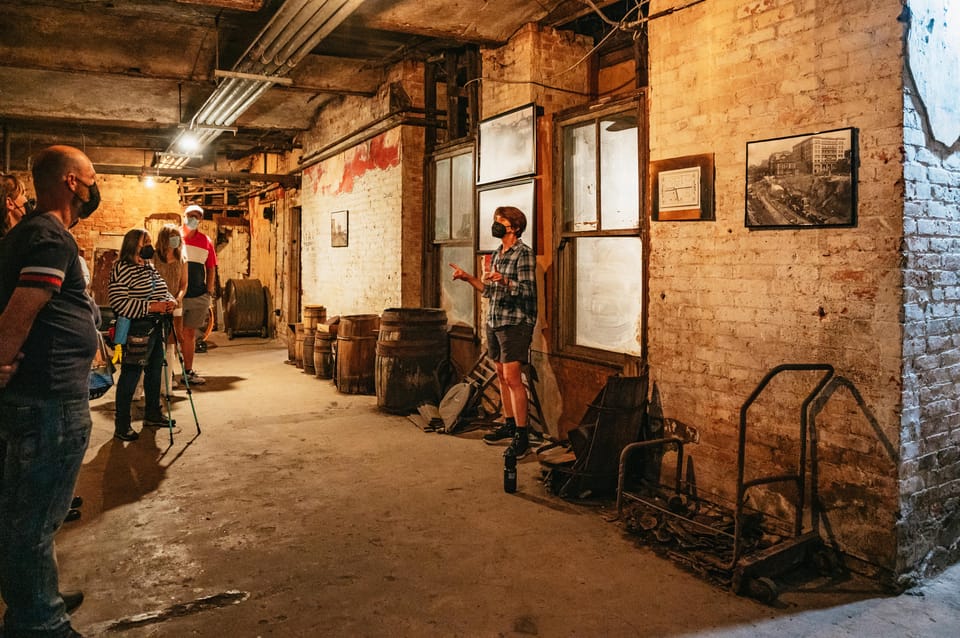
x,y
340,229
507,147
522,195
682,189
802,181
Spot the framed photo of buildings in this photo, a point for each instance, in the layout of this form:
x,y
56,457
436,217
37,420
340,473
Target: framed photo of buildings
x,y
681,189
519,194
508,145
803,181
340,229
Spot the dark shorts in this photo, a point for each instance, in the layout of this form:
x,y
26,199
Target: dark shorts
x,y
509,343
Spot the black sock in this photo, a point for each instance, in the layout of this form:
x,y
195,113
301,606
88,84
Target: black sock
x,y
512,422
521,432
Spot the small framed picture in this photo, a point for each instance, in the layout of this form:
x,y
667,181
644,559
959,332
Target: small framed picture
x,y
339,228
681,189
802,181
517,194
508,145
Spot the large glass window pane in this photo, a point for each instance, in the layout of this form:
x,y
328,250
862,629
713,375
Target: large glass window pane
x,y
619,173
441,227
609,293
456,298
462,197
580,178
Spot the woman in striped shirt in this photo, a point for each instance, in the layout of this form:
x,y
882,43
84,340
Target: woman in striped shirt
x,y
138,292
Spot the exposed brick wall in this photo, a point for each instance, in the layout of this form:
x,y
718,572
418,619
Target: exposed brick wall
x,y
378,177
364,276
727,304
930,425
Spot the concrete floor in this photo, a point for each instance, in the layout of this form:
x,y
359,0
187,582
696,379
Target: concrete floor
x,y
303,512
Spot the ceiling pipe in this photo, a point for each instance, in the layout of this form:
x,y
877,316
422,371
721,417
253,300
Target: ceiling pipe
x,y
276,24
340,14
283,179
295,30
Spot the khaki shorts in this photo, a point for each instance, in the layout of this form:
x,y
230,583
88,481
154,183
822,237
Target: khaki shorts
x,y
195,311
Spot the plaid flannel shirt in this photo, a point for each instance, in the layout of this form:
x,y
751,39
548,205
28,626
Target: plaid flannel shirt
x,y
518,303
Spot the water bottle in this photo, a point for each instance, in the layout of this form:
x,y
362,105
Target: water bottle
x,y
509,471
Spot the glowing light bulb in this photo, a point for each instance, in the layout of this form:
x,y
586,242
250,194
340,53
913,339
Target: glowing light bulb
x,y
189,142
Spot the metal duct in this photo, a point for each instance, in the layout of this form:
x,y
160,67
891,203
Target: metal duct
x,y
294,30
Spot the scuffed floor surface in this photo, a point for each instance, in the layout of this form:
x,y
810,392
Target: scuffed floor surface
x,y
303,512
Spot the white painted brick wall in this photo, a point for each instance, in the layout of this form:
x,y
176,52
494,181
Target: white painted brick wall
x,y
727,304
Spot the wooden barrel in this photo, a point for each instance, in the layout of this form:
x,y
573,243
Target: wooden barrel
x,y
298,347
356,353
308,338
244,307
313,315
292,344
410,347
323,354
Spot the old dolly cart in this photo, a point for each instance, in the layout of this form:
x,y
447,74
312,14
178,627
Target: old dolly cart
x,y
749,573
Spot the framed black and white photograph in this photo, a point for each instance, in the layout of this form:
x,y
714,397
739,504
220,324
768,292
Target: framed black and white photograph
x,y
339,229
681,188
508,145
803,181
518,194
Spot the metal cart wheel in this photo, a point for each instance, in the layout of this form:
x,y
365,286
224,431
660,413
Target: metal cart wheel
x,y
762,589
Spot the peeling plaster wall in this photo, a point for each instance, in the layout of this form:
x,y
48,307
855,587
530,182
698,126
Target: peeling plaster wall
x,y
727,304
364,276
929,526
377,179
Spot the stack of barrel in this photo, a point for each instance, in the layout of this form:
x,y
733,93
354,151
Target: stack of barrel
x,y
396,355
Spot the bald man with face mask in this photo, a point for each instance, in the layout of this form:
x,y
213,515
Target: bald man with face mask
x,y
48,338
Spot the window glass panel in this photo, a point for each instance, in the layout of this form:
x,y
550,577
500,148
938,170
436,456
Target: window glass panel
x,y
462,198
456,297
580,178
609,293
441,227
619,173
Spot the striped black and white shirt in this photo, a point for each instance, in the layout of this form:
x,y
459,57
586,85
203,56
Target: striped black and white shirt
x,y
133,287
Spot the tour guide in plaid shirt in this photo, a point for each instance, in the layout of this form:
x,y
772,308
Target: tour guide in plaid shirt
x,y
511,287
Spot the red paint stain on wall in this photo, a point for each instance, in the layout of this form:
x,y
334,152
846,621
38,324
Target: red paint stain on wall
x,y
338,174
377,154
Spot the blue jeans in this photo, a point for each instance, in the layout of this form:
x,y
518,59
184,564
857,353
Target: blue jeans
x,y
44,442
152,377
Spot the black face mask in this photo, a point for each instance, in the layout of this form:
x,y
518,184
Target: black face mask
x,y
498,230
30,206
87,207
146,252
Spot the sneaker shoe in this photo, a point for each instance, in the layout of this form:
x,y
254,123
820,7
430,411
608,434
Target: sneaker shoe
x,y
128,434
158,420
193,378
72,600
520,446
502,433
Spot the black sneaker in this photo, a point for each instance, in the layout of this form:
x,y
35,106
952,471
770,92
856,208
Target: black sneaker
x,y
159,420
520,446
502,433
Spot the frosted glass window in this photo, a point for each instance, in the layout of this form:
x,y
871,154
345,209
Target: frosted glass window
x,y
441,228
609,295
580,178
619,173
456,298
462,197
